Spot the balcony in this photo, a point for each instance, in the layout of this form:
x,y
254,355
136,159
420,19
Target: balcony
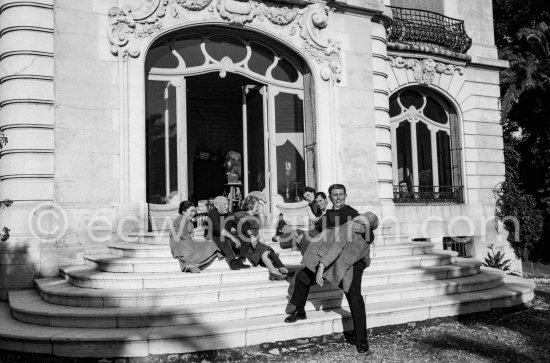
x,y
424,194
425,28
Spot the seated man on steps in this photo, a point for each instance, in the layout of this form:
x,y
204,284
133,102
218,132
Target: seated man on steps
x,y
340,255
220,223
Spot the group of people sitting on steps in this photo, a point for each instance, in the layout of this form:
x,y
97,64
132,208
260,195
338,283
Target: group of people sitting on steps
x,y
195,255
335,248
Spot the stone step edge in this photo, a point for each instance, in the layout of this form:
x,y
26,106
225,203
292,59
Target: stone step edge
x,y
145,246
86,342
426,248
165,233
28,303
163,275
459,265
107,261
164,239
50,288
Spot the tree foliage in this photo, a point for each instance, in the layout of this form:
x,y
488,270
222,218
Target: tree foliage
x,y
512,15
522,35
514,202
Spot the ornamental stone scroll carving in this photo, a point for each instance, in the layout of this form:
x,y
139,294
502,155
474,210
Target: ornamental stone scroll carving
x,y
425,69
299,22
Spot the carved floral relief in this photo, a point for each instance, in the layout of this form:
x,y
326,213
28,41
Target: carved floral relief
x,y
425,69
301,23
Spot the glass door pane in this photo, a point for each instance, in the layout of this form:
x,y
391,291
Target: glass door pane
x,y
255,139
161,133
287,133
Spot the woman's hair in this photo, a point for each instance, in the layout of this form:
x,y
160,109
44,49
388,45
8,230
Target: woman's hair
x,y
249,201
309,189
185,205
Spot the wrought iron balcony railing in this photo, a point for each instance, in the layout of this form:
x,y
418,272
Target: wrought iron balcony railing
x,y
420,27
425,194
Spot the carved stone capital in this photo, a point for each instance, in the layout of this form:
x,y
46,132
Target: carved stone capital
x,y
127,27
425,69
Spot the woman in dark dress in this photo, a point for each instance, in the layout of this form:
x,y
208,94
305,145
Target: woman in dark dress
x,y
252,245
193,255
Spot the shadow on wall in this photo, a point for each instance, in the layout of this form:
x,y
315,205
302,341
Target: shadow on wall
x,y
16,272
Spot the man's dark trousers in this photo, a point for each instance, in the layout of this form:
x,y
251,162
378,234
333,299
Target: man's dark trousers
x,y
227,247
306,278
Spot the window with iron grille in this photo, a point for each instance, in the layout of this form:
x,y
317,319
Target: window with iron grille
x,y
426,148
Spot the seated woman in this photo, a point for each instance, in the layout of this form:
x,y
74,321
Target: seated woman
x,y
193,256
252,244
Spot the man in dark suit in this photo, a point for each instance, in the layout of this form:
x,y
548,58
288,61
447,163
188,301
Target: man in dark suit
x,y
340,255
221,221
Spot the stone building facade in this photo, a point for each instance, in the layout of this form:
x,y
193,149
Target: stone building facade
x,y
309,92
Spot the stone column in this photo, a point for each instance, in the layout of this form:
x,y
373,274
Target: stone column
x,y
381,108
26,118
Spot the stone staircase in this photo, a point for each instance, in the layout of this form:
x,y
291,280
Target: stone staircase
x,y
134,301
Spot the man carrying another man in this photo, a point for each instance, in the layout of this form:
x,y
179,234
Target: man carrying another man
x,y
339,254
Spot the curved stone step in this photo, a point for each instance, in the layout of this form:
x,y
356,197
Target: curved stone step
x,y
219,272
27,306
135,342
153,237
120,263
128,249
163,238
236,286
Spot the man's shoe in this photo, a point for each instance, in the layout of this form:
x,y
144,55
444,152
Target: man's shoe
x,y
295,316
276,277
234,265
362,346
242,264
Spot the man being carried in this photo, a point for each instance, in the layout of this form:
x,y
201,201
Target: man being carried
x,y
340,255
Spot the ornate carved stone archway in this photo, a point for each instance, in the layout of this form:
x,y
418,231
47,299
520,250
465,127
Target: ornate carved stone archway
x,y
299,23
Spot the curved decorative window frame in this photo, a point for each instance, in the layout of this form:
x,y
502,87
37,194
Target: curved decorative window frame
x,y
414,193
226,64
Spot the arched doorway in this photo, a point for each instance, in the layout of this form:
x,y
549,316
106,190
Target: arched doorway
x,y
211,90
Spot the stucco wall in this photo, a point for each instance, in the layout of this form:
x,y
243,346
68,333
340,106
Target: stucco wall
x,y
355,134
87,106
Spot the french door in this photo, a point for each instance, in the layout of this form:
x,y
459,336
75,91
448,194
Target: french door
x,y
274,153
273,142
166,130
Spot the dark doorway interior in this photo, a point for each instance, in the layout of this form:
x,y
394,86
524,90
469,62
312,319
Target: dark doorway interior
x,y
214,127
